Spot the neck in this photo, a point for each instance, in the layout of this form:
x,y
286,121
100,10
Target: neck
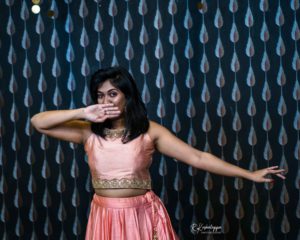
x,y
118,123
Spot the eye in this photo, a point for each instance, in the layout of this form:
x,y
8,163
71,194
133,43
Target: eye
x,y
113,94
99,95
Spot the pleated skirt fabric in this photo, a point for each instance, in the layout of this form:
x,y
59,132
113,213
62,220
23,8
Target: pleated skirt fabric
x,y
132,218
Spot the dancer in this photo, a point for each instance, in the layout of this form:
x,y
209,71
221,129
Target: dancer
x,y
119,141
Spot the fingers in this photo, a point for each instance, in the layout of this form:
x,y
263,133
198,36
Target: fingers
x,y
100,112
112,113
108,111
273,167
107,106
281,176
268,180
277,172
273,170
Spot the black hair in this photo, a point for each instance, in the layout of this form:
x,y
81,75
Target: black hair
x,y
136,120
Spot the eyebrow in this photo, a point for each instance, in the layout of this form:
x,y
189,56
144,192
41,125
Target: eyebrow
x,y
112,89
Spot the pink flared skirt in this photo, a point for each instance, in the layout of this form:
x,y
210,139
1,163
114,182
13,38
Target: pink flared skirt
x,y
142,217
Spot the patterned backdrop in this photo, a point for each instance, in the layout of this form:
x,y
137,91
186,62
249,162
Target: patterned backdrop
x,y
222,75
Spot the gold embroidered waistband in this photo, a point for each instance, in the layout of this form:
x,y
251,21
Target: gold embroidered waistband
x,y
122,183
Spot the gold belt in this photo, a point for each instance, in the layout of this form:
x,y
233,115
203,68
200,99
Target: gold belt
x,y
122,183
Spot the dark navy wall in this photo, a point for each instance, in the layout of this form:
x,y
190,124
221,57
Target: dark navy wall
x,y
222,75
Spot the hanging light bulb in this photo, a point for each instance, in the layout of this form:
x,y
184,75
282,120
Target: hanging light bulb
x,y
35,9
36,6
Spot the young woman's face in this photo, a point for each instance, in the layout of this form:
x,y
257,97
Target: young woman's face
x,y
107,93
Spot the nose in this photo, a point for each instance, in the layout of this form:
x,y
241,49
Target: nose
x,y
106,99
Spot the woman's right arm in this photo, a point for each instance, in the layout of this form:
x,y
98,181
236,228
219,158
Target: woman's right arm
x,y
65,125
72,125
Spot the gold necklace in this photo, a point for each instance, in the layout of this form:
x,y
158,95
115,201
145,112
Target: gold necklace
x,y
114,133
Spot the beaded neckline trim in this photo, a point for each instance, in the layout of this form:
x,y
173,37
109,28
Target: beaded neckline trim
x,y
114,133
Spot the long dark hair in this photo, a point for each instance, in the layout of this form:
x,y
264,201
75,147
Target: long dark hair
x,y
136,121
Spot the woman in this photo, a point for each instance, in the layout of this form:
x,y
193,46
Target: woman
x,y
119,141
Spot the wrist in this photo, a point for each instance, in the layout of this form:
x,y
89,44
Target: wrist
x,y
246,174
81,114
249,175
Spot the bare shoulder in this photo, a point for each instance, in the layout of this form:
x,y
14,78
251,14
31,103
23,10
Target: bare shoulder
x,y
169,144
154,125
156,130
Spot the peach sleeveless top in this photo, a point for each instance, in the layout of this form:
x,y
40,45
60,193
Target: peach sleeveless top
x,y
114,164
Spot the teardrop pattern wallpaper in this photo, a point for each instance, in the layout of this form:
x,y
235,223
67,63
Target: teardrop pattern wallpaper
x,y
221,75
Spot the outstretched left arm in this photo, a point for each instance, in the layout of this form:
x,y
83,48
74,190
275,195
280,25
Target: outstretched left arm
x,y
170,145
